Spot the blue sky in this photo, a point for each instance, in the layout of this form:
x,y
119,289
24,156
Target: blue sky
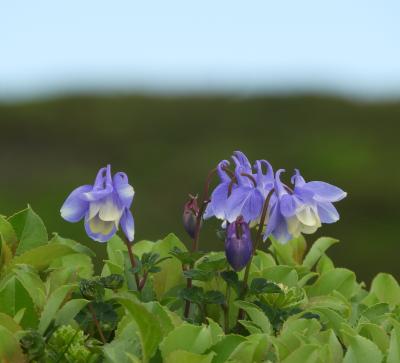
x,y
349,47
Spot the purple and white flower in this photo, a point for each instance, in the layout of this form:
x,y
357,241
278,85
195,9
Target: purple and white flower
x,y
104,206
302,210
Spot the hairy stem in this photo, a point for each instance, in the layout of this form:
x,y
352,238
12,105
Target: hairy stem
x,y
133,263
199,217
96,323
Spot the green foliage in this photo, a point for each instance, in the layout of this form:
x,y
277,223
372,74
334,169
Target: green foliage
x,y
296,307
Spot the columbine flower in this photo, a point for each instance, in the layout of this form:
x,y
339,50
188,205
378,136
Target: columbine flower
x,y
302,210
104,206
217,205
243,193
238,244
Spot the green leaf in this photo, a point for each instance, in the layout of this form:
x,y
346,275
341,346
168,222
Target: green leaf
x,y
53,304
30,230
182,356
67,313
256,315
384,289
32,283
286,275
260,285
393,354
7,232
41,257
254,349
339,279
171,269
307,353
376,334
213,297
191,338
77,247
9,323
317,250
362,350
13,298
226,346
199,275
290,253
10,350
186,257
213,261
194,294
148,327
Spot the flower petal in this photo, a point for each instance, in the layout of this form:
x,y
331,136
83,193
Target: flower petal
x,y
217,205
128,225
244,201
74,207
124,189
325,192
327,212
99,230
110,209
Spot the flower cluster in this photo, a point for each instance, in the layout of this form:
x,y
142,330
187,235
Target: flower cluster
x,y
104,206
301,208
242,195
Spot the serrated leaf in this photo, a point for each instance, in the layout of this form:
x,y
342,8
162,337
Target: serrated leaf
x,y
260,285
199,275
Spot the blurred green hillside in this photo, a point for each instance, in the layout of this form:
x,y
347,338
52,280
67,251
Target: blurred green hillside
x,y
168,145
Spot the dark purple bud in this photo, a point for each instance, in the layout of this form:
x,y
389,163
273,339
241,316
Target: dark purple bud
x,y
190,213
238,244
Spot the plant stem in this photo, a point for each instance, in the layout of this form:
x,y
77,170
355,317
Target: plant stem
x,y
199,217
255,247
133,263
96,322
225,308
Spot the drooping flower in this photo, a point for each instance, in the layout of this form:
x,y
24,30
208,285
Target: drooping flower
x,y
302,210
238,244
247,199
189,218
242,193
217,206
104,206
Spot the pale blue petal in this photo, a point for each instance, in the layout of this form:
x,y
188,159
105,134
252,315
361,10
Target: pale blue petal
x,y
124,189
324,192
74,207
327,212
128,225
244,201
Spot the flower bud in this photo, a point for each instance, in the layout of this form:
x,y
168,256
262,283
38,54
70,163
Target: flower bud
x,y
238,244
190,213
